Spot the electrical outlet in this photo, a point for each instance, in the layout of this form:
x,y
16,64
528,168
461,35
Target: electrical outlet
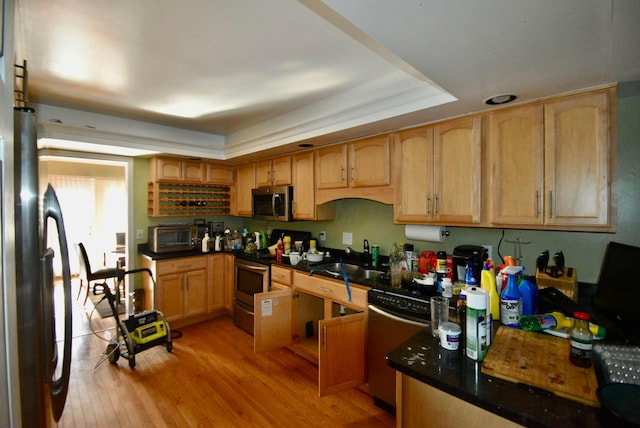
x,y
138,233
347,238
489,251
323,236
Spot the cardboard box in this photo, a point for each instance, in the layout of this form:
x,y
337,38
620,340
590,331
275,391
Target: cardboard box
x,y
568,285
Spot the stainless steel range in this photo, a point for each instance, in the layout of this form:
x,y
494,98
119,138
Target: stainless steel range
x,y
253,275
395,315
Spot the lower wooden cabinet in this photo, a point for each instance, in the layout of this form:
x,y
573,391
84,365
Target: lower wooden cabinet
x,y
422,405
315,319
186,290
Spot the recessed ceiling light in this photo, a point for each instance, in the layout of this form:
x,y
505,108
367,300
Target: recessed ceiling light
x,y
305,145
500,99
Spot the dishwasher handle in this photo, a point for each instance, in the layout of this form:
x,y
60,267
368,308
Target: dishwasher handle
x,y
397,318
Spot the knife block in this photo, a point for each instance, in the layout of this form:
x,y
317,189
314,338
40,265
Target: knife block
x,y
566,284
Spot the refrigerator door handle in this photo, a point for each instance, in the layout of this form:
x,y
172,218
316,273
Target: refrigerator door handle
x,y
58,385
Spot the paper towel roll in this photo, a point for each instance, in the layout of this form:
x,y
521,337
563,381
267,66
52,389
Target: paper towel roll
x,y
425,233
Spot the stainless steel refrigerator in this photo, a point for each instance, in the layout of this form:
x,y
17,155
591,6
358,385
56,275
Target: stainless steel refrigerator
x,y
43,324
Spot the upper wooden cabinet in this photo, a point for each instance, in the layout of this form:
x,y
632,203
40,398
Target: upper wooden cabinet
x,y
304,204
219,174
516,165
176,170
245,182
273,172
362,163
438,173
550,163
360,169
577,149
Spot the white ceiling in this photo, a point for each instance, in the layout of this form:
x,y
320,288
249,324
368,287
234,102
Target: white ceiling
x,y
226,78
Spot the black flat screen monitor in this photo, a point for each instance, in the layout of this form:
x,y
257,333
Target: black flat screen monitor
x,y
617,294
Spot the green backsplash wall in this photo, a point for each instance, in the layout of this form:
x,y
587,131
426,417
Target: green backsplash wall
x,y
374,221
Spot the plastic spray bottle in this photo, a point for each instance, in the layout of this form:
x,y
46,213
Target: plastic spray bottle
x,y
510,299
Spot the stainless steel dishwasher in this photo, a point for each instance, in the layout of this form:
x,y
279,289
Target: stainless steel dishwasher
x,y
395,315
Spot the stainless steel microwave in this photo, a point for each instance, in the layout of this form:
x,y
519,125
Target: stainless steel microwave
x,y
170,238
272,203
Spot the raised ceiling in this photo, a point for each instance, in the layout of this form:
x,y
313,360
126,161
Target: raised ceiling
x,y
224,79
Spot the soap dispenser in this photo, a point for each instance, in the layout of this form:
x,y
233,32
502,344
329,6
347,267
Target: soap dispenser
x,y
205,243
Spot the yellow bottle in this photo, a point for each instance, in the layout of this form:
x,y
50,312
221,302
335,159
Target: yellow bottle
x,y
564,322
488,282
556,321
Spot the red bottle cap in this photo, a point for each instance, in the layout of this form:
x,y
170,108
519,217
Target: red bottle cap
x,y
581,316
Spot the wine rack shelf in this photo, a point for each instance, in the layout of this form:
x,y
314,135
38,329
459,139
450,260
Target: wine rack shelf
x,y
182,200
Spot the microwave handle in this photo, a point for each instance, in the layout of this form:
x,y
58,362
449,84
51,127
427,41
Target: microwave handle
x,y
275,199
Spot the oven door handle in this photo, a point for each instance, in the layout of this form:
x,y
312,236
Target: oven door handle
x,y
254,268
397,318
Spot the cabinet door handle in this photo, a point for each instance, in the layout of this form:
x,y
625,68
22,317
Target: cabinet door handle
x,y
435,205
550,204
428,205
353,174
537,204
326,290
342,174
324,334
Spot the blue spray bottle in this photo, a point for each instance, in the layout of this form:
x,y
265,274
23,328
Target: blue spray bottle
x,y
510,298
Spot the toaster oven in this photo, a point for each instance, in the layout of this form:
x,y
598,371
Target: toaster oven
x,y
170,238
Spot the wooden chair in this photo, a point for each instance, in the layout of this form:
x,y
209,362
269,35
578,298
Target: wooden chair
x,y
89,276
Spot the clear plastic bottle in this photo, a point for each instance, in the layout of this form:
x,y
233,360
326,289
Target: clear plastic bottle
x,y
581,341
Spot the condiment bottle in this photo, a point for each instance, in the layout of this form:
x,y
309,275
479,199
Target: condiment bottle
x,y
279,250
375,254
447,287
441,268
205,242
287,244
581,341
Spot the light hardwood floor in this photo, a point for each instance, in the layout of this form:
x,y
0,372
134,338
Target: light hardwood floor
x,y
212,378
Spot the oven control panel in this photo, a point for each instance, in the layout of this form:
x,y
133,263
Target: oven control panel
x,y
416,307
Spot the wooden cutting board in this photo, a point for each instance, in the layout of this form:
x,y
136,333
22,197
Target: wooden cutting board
x,y
542,361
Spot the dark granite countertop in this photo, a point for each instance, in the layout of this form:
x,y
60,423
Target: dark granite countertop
x,y
422,358
302,266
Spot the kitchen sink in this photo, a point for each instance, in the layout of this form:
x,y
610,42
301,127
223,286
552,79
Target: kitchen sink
x,y
354,272
337,268
371,273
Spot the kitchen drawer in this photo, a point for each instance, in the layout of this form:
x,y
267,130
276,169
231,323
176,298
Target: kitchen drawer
x,y
281,275
165,267
332,290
